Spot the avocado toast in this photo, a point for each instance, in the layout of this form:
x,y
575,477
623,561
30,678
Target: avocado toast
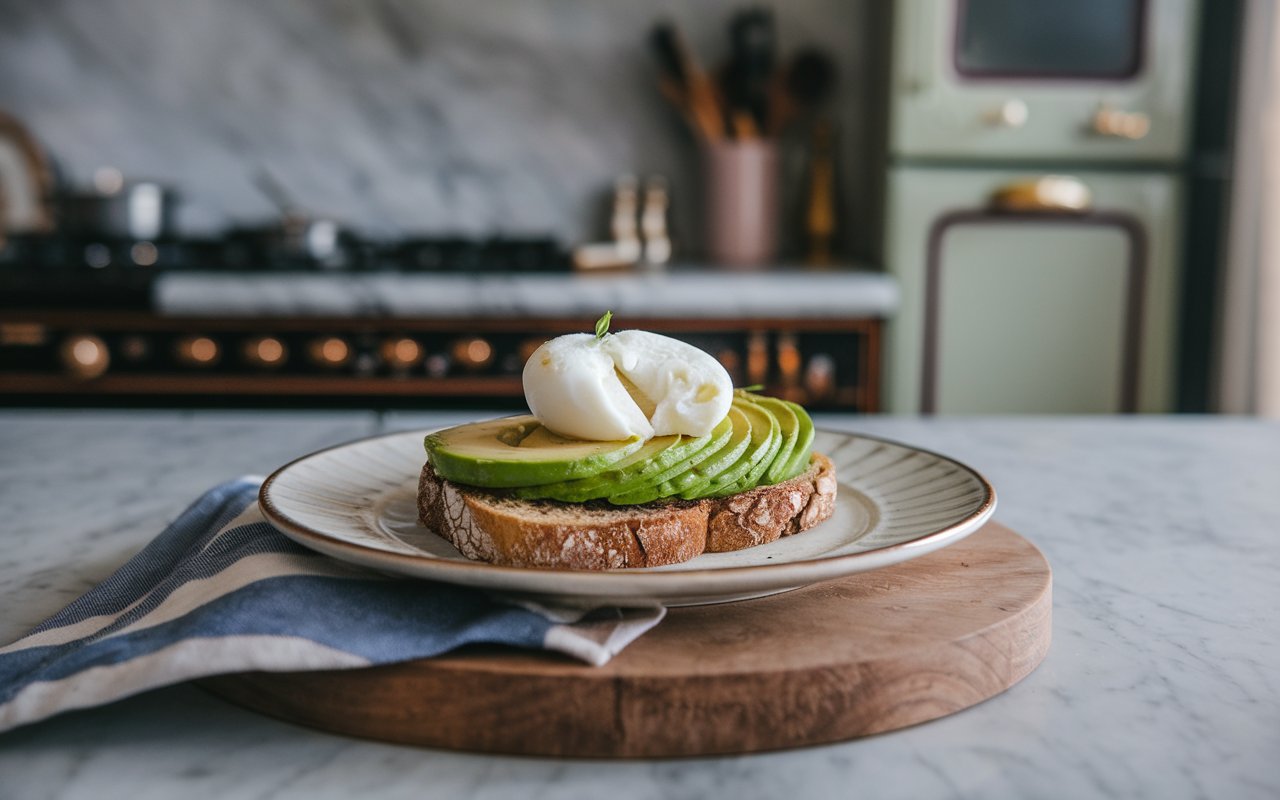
x,y
513,493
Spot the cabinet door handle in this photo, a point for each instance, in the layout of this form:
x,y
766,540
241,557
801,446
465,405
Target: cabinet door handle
x,y
1051,193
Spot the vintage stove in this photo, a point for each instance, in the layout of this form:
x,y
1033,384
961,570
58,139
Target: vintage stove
x,y
423,322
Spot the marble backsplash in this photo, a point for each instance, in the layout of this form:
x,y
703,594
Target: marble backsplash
x,y
397,116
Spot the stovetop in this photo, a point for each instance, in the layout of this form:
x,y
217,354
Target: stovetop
x,y
97,271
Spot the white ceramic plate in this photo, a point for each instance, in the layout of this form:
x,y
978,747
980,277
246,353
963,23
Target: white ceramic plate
x,y
357,502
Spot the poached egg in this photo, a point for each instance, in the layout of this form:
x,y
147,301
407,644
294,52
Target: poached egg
x,y
626,384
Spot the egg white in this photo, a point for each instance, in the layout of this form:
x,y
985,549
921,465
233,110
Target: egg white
x,y
575,386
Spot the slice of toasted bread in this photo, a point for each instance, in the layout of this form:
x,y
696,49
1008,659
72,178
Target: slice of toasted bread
x,y
491,526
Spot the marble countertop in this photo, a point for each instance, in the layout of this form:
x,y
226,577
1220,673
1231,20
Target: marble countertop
x,y
674,292
1163,533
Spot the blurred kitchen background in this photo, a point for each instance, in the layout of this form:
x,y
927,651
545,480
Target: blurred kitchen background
x,y
918,206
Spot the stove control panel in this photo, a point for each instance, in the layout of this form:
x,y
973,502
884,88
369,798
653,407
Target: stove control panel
x,y
142,358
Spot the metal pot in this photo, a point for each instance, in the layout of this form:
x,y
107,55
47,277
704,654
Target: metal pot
x,y
141,210
318,239
298,240
26,180
295,242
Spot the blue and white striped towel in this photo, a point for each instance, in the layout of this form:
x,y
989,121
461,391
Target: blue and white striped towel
x,y
221,591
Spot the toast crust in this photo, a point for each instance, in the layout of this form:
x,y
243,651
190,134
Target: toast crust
x,y
489,526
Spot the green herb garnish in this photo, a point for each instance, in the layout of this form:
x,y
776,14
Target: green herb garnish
x,y
602,324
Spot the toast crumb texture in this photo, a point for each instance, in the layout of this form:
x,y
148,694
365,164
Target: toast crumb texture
x,y
490,526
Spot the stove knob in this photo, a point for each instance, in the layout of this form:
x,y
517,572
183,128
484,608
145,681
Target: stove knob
x,y
437,365
511,364
402,353
144,254
197,351
97,255
366,363
820,377
84,356
135,348
789,360
473,354
330,352
266,352
789,366
527,347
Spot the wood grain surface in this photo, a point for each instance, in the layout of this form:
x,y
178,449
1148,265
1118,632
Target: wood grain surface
x,y
860,655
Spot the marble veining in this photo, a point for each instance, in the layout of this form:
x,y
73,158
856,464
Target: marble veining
x,y
395,116
1160,681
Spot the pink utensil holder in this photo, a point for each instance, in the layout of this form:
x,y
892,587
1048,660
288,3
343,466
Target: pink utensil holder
x,y
741,195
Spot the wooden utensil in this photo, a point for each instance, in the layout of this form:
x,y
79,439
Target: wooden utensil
x,y
681,67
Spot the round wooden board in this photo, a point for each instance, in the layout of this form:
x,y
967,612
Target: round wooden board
x,y
869,653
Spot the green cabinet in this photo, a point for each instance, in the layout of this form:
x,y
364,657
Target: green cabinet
x,y
1031,312
940,109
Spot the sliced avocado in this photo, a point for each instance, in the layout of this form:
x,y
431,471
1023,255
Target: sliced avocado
x,y
688,484
760,461
799,461
764,432
655,456
648,488
693,484
720,436
518,451
727,456
789,425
